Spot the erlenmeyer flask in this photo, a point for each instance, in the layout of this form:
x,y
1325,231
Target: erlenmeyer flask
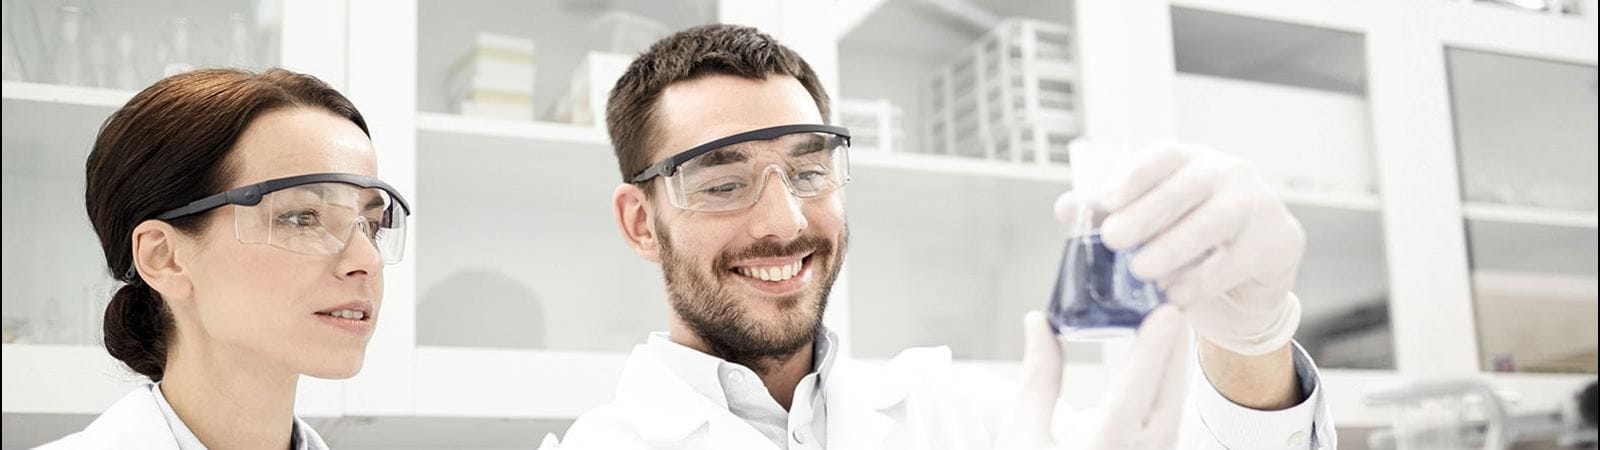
x,y
1096,295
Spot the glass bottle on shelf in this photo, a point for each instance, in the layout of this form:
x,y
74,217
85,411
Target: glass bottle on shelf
x,y
16,331
98,73
125,73
177,58
12,70
68,64
239,52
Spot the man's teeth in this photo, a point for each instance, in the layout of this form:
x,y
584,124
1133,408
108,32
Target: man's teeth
x,y
773,273
348,314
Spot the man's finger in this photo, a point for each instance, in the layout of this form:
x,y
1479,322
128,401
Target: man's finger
x,y
1138,391
1029,426
1150,167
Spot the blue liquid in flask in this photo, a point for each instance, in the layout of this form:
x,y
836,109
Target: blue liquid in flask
x,y
1096,295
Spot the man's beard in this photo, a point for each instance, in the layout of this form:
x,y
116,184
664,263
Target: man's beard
x,y
723,323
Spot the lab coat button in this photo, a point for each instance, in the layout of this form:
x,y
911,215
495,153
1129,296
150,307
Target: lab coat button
x,y
1297,440
799,437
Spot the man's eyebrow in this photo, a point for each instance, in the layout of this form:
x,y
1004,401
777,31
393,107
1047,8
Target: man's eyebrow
x,y
810,143
375,203
725,155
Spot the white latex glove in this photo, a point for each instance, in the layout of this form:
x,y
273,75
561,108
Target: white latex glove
x,y
1142,409
1214,238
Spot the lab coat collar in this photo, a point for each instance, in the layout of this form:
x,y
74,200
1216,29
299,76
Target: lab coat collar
x,y
862,403
665,408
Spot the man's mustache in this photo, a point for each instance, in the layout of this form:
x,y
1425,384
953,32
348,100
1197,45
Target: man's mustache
x,y
767,249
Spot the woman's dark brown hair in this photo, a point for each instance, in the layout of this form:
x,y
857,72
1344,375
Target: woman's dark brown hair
x,y
168,146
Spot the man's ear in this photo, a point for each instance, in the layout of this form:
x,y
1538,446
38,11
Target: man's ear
x,y
634,219
155,254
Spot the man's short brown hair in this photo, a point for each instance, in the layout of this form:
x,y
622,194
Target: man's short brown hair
x,y
703,50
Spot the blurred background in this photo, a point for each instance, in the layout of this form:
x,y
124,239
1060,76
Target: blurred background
x,y
1441,155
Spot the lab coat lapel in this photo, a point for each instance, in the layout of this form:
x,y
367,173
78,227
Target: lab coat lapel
x,y
862,406
663,408
135,421
666,410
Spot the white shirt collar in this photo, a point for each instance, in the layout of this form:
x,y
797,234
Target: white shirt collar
x,y
703,372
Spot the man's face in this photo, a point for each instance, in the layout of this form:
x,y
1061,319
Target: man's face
x,y
728,274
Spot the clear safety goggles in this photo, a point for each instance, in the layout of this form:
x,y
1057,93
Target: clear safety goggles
x,y
314,214
730,173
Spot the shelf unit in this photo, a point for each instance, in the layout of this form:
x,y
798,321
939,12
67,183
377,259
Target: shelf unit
x,y
500,393
64,95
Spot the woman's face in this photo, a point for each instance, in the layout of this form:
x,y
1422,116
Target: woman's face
x,y
269,305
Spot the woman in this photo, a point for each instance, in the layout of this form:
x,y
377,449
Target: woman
x,y
242,212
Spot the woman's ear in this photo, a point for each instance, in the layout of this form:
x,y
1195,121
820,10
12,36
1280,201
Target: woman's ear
x,y
634,219
155,255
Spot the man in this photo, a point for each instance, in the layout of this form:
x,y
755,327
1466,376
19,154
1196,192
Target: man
x,y
732,182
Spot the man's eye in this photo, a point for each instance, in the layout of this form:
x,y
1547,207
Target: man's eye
x,y
725,188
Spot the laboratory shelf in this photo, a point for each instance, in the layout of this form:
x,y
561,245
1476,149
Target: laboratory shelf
x,y
1530,215
1558,303
1460,22
1346,15
962,166
1495,28
68,95
518,129
84,379
1336,200
941,165
524,384
518,226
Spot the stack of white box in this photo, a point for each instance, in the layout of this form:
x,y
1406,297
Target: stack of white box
x,y
495,79
1012,96
874,124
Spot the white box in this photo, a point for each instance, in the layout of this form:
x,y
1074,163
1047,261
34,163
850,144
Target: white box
x,y
591,86
495,79
496,110
490,74
625,33
874,124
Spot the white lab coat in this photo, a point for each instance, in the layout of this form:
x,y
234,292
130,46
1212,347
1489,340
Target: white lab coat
x,y
136,422
915,402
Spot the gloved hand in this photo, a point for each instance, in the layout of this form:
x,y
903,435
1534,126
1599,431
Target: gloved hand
x,y
1212,235
1142,409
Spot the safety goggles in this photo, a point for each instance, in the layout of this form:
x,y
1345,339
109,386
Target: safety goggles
x,y
730,173
314,214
